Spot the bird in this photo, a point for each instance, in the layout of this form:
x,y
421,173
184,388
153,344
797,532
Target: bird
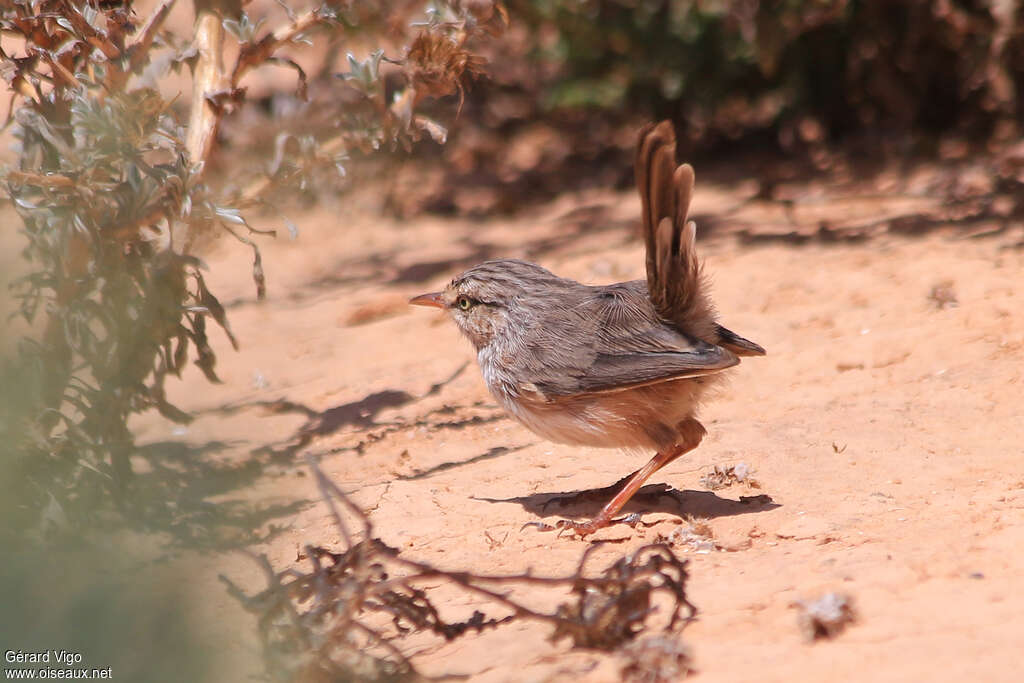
x,y
622,365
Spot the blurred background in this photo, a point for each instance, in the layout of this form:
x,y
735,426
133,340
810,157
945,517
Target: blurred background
x,y
763,90
777,89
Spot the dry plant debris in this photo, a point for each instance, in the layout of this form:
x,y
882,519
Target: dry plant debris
x,y
724,476
695,535
943,296
344,618
656,659
825,617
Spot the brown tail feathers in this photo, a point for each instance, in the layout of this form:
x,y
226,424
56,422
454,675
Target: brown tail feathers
x,y
673,269
674,279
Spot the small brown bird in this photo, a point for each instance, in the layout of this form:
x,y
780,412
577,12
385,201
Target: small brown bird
x,y
620,366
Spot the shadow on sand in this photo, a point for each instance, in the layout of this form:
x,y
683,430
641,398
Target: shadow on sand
x,y
184,491
361,415
650,498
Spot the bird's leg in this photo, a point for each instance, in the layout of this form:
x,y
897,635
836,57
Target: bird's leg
x,y
691,432
604,517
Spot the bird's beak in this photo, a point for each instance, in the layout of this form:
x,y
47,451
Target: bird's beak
x,y
433,299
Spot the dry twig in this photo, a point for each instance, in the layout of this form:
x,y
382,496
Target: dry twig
x,y
326,621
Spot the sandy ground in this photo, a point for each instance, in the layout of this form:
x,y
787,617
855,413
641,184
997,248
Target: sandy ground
x,y
884,426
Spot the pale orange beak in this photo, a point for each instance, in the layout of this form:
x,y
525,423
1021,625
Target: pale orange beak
x,y
433,299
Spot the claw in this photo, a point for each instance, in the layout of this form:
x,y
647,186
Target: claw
x,y
631,520
580,529
583,529
563,525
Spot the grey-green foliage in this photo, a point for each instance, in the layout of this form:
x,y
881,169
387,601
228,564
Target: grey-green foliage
x,y
110,202
100,189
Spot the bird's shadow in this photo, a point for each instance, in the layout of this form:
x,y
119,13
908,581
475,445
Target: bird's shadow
x,y
651,498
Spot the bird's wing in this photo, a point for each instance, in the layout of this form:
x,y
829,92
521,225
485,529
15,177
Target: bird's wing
x,y
611,373
620,343
673,269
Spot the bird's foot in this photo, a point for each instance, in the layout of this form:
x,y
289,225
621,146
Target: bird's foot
x,y
583,529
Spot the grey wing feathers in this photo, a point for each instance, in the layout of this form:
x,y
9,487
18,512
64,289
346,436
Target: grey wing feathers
x,y
626,345
628,371
620,371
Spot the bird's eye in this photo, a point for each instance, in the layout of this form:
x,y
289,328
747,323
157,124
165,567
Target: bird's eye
x,y
464,303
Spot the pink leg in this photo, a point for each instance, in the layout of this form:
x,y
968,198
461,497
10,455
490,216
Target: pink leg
x,y
691,432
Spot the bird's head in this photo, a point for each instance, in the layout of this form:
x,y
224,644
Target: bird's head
x,y
490,300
